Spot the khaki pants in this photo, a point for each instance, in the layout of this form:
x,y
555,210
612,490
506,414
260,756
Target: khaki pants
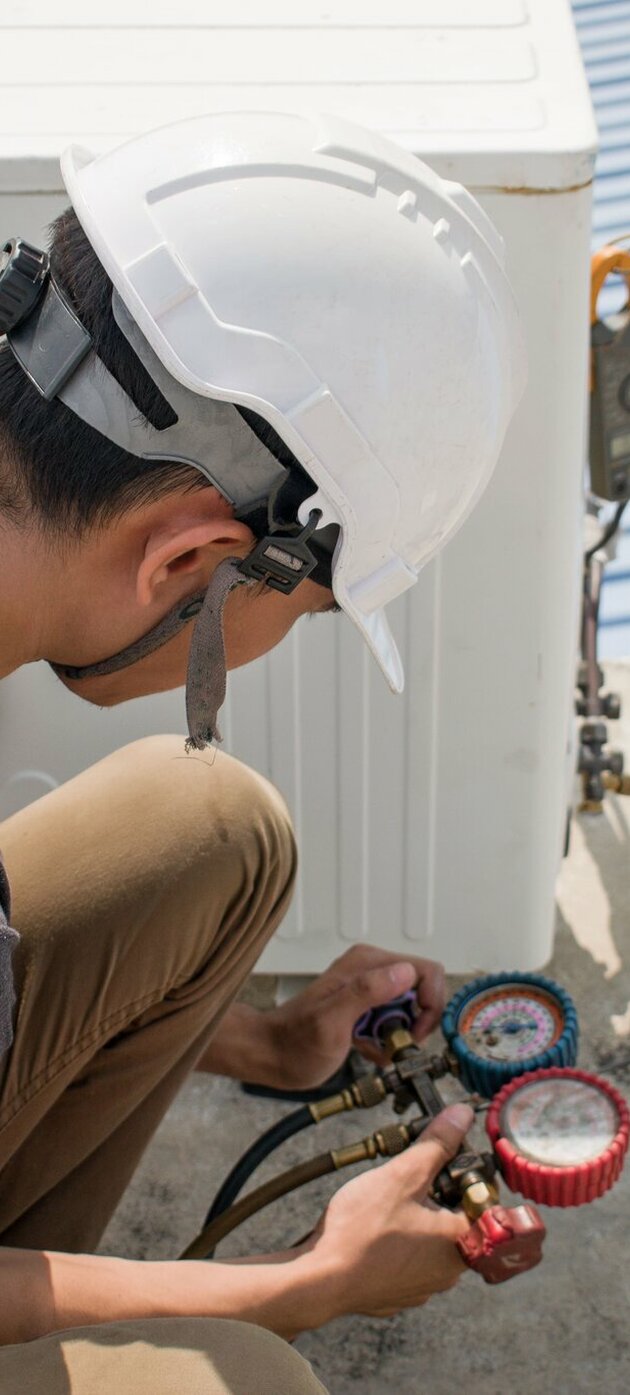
x,y
144,890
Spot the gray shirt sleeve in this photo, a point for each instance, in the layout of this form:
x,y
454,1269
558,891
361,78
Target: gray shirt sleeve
x,y
8,940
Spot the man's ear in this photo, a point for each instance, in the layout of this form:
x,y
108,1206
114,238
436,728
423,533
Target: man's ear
x,y
185,545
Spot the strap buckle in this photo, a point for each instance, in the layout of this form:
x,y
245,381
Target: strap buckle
x,y
282,560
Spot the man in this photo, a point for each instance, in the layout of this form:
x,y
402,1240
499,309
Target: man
x,y
266,373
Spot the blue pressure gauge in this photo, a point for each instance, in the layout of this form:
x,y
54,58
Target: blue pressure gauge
x,y
503,1025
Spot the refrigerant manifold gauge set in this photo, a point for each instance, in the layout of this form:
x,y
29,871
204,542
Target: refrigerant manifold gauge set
x,y
559,1135
556,1135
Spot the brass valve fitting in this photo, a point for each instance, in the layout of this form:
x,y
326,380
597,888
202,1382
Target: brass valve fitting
x,y
478,1196
399,1040
385,1143
619,784
364,1094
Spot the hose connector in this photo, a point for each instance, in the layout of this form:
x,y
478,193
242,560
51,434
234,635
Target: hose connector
x,y
385,1143
365,1093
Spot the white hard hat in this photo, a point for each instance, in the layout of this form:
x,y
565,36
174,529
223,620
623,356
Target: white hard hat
x,y
319,275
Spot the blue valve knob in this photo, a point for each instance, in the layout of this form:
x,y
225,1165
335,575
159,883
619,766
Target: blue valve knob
x,y
377,1023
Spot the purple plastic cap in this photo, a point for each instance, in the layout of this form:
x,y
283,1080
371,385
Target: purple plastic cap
x,y
376,1024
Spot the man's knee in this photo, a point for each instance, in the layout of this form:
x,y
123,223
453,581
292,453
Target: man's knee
x,y
203,1356
177,859
227,860
210,797
251,1358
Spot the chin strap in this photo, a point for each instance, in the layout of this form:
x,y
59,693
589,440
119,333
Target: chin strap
x,y
206,677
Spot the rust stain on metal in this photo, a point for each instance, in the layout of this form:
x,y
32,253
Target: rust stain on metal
x,y
524,190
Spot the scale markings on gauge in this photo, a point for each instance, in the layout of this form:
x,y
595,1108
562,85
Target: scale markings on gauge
x,y
501,1025
505,1025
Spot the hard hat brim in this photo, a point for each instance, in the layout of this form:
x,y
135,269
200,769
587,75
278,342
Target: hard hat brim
x,y
375,630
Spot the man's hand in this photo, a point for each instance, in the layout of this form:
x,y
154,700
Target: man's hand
x,y
299,1045
379,1247
312,1033
380,1244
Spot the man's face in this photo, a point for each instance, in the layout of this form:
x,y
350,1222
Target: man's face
x,y
79,604
257,618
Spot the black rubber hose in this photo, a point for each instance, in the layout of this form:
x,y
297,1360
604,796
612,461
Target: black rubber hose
x,y
609,531
292,1123
204,1244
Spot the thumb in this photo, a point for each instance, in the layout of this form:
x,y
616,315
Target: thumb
x,y
440,1142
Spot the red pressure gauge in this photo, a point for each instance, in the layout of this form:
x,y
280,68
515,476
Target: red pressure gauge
x,y
560,1136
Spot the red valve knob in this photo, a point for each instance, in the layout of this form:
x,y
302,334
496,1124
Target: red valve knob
x,y
503,1242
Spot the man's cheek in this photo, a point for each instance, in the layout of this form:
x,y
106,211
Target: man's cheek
x,y
253,636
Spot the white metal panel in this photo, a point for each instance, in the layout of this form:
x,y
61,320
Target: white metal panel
x,y
312,57
47,735
252,14
497,83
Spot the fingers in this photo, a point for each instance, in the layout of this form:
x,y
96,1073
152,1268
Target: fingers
x,y
370,987
431,997
450,1225
416,1169
425,975
441,1141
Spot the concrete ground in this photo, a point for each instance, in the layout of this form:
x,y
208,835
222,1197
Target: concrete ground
x,y
564,1328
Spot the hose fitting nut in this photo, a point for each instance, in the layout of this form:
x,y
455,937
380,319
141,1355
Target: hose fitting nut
x,y
368,1091
392,1139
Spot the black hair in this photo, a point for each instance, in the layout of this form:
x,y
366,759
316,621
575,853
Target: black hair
x,y
58,470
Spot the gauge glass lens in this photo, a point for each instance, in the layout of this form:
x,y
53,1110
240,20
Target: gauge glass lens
x,y
511,1023
560,1123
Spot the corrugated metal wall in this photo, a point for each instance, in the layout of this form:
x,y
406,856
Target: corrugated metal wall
x,y
603,28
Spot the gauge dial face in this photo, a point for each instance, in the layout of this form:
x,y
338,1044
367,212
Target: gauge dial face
x,y
511,1023
560,1123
